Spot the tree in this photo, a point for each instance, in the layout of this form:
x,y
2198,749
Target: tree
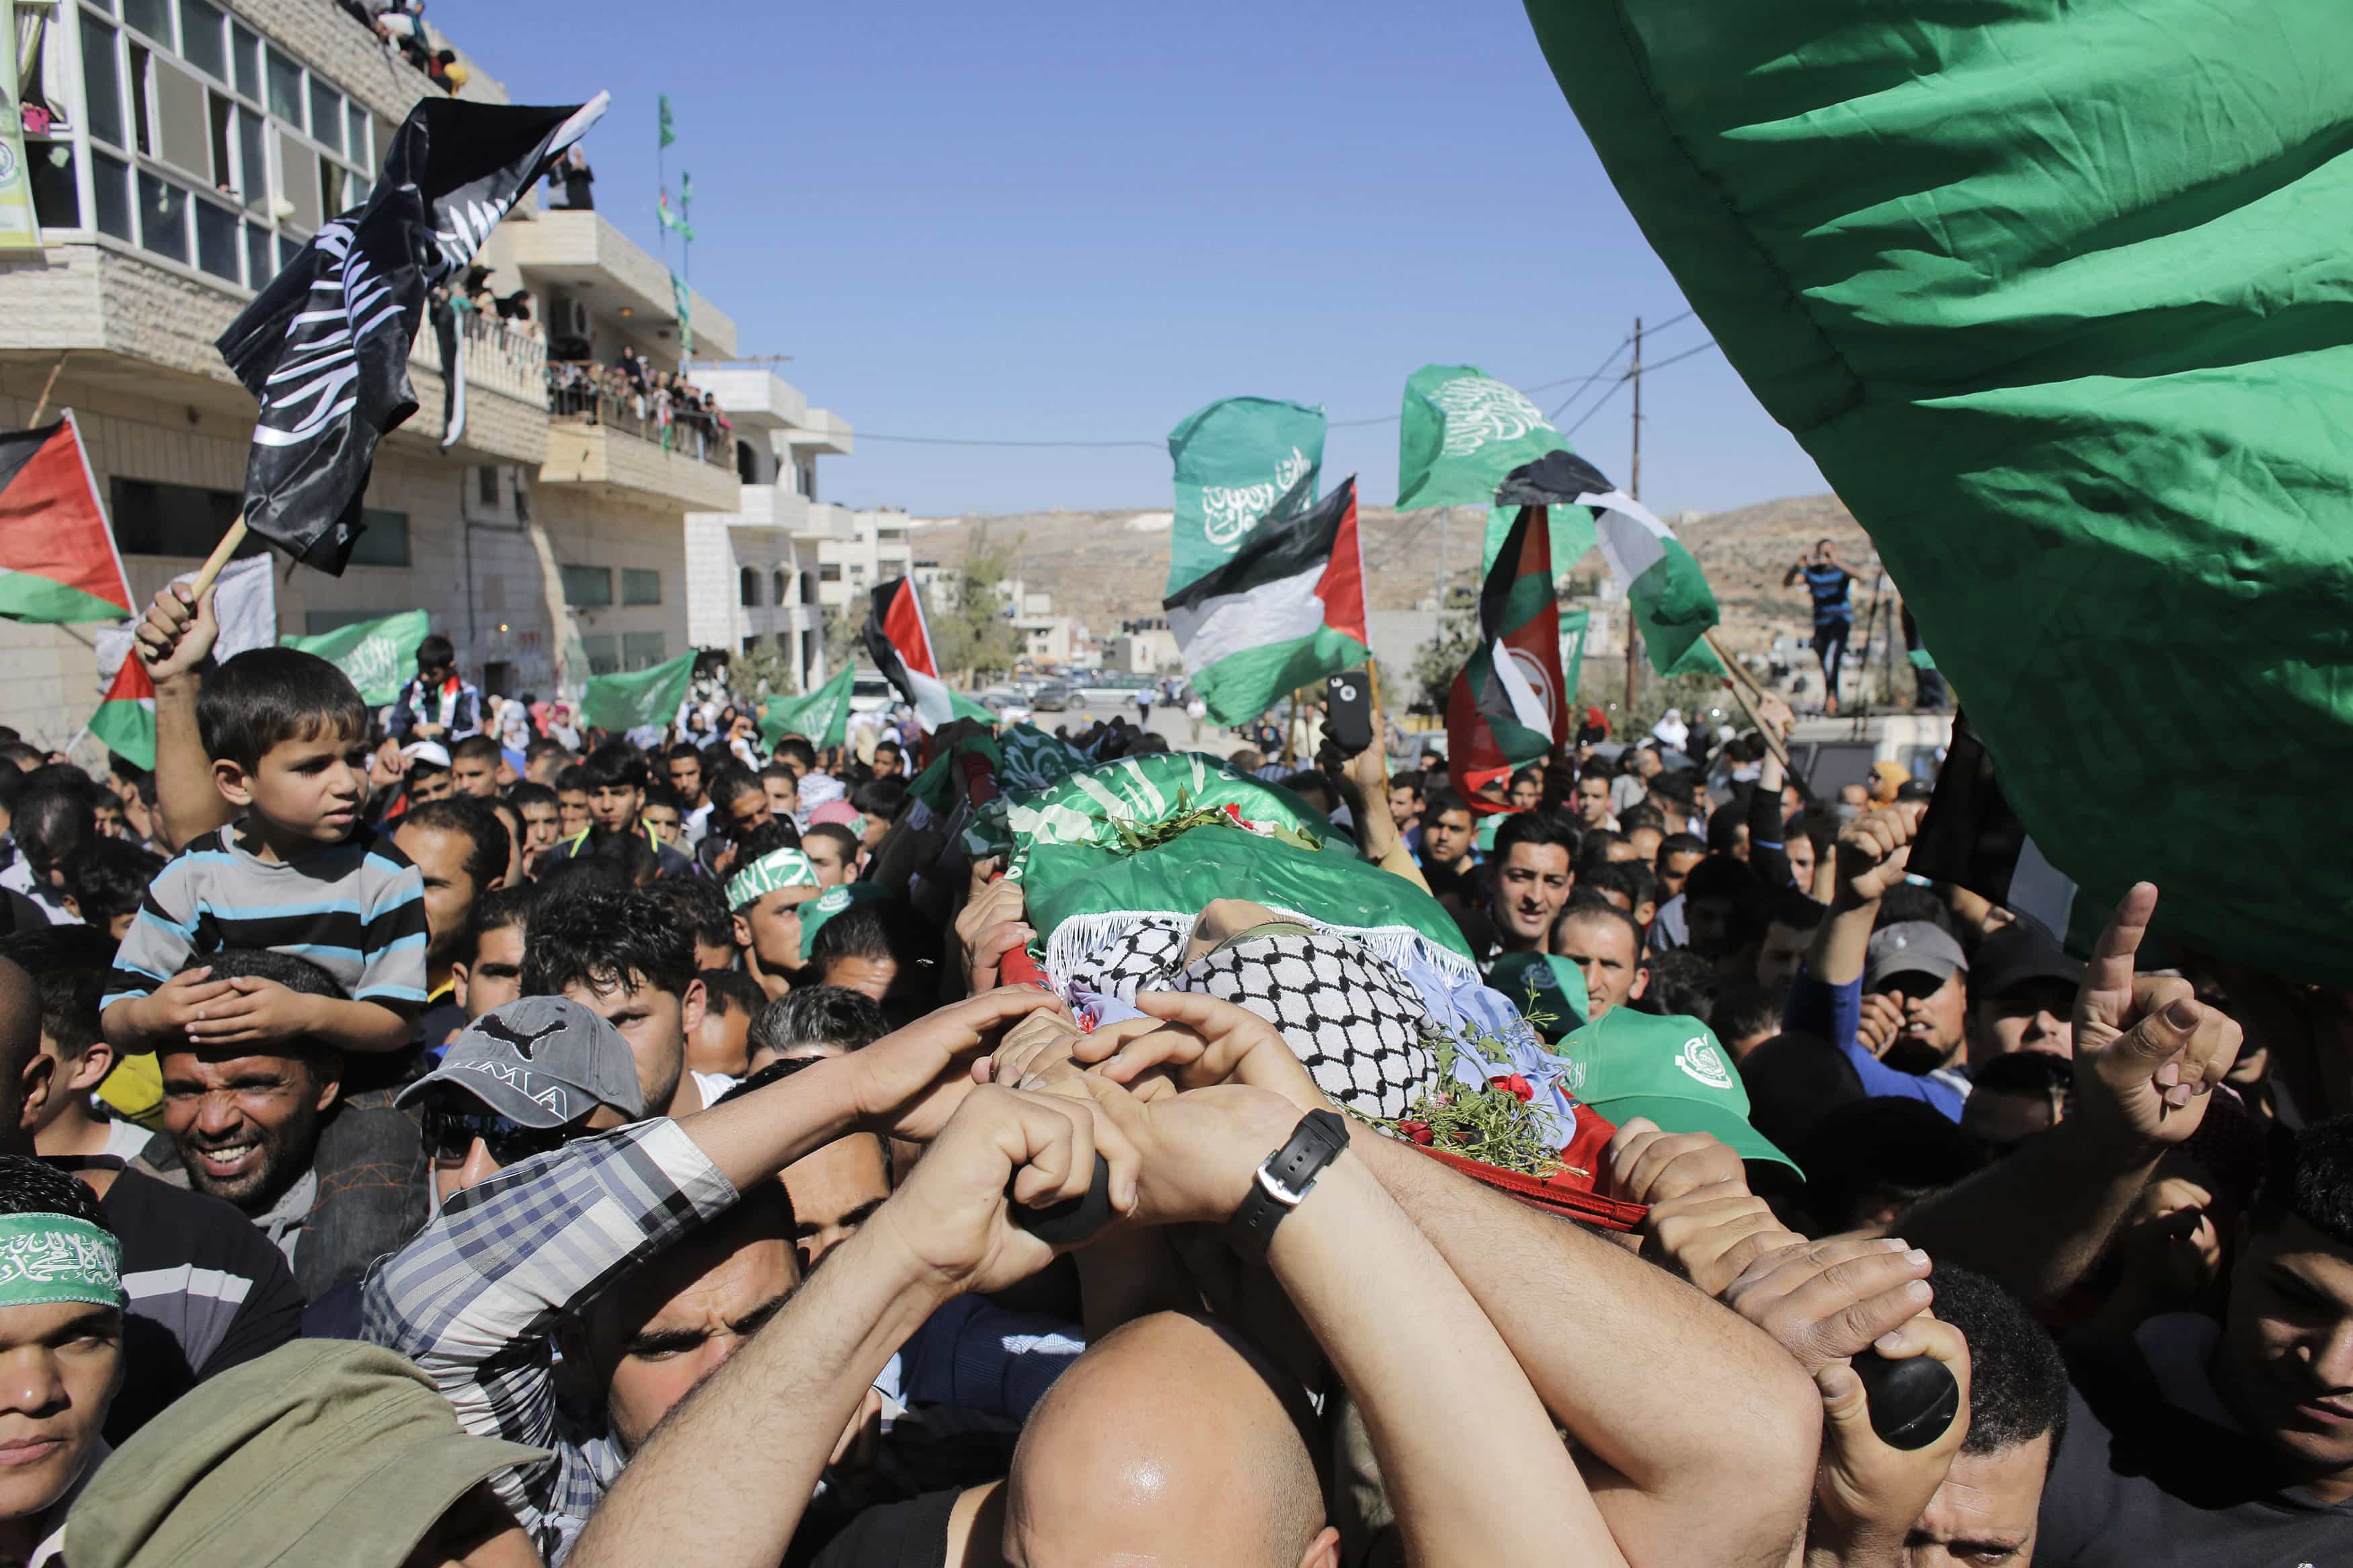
x,y
844,625
972,630
1435,667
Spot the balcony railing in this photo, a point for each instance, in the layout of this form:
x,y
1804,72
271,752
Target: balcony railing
x,y
582,393
498,357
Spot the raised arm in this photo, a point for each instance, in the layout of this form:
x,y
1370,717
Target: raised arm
x,y
1639,1367
787,1396
2147,1055
173,642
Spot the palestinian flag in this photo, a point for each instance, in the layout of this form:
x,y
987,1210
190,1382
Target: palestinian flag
x,y
57,563
1509,704
1287,607
1671,604
901,646
125,720
1973,839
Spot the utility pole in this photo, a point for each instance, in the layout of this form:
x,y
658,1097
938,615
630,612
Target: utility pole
x,y
1634,489
1445,517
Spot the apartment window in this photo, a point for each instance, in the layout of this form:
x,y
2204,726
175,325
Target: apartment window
x,y
152,518
152,18
829,571
486,486
589,588
200,38
643,650
110,180
57,200
162,217
604,657
102,81
384,541
640,586
780,587
747,588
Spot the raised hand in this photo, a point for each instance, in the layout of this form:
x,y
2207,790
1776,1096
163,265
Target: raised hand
x,y
990,925
2148,1052
179,633
909,1082
1874,850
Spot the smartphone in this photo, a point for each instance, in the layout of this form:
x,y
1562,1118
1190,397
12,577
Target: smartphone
x,y
1348,711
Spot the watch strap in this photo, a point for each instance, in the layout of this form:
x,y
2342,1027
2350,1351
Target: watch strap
x,y
1286,1176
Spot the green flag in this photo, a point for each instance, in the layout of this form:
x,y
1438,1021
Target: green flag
x,y
1462,431
1673,606
2076,358
681,300
822,716
1572,651
647,697
963,706
1572,536
1238,462
667,135
379,656
675,221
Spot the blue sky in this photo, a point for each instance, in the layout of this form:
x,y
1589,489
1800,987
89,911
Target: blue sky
x,y
1082,221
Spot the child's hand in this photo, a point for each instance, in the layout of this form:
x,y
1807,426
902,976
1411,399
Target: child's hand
x,y
253,1012
180,1001
179,633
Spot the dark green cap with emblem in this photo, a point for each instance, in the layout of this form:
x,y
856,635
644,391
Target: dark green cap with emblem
x,y
1671,1069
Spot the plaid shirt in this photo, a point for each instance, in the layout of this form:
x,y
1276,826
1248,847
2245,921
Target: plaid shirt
x,y
475,1300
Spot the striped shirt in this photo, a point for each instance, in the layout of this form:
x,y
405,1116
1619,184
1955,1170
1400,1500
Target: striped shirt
x,y
354,908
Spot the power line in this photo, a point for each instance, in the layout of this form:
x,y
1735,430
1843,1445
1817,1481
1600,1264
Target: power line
x,y
1628,376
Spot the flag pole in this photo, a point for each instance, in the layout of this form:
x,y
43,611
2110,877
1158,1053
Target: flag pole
x,y
211,570
1748,706
47,387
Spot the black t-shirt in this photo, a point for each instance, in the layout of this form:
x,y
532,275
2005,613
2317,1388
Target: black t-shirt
x,y
208,1292
910,1534
2151,1472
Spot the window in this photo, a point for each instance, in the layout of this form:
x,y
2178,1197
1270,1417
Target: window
x,y
602,658
110,180
828,572
285,90
298,169
162,217
152,518
587,587
152,18
57,202
101,82
780,587
217,242
200,38
385,541
747,587
327,114
642,650
486,486
247,50
640,586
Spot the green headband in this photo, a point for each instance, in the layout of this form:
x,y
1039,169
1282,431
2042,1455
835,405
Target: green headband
x,y
829,903
51,1257
777,869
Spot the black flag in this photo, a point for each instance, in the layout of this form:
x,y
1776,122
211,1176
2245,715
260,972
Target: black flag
x,y
325,346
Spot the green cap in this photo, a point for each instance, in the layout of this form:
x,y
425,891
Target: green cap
x,y
777,869
1558,986
1671,1069
829,903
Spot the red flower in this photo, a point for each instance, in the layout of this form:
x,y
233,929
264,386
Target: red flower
x,y
1417,1130
1514,1085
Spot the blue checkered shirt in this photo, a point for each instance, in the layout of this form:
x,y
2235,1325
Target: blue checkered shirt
x,y
475,1300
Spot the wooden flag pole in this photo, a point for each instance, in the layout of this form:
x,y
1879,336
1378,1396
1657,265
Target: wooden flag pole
x,y
1748,705
211,570
47,387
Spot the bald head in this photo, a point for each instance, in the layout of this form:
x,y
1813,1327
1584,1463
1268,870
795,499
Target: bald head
x,y
20,1042
1164,1444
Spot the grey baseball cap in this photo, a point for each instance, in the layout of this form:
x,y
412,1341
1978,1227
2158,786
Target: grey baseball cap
x,y
539,1061
1912,947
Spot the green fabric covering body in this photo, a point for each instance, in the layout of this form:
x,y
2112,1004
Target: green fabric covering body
x,y
2059,294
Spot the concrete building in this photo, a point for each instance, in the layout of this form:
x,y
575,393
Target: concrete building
x,y
875,546
1143,647
752,575
195,148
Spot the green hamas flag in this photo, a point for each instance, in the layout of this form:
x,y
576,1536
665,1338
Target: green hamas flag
x,y
681,299
663,126
1463,431
1572,651
648,696
1238,462
2056,295
822,717
379,656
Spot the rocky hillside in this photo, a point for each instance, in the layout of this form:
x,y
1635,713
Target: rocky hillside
x,y
1105,566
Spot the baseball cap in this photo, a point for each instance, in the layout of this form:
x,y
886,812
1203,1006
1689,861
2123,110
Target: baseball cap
x,y
539,1061
829,903
1559,988
432,754
2018,953
1670,1068
1912,947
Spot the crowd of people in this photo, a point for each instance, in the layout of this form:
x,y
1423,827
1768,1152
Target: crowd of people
x,y
449,1135
663,404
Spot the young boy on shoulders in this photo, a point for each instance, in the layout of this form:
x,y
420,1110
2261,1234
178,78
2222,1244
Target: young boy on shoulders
x,y
297,871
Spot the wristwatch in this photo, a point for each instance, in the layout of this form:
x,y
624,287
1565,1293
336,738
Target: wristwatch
x,y
1286,1177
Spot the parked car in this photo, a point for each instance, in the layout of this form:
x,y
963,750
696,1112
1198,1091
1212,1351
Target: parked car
x,y
871,694
1056,698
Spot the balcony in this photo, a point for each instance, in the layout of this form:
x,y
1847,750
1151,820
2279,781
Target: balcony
x,y
583,254
506,389
827,521
820,430
595,438
753,399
